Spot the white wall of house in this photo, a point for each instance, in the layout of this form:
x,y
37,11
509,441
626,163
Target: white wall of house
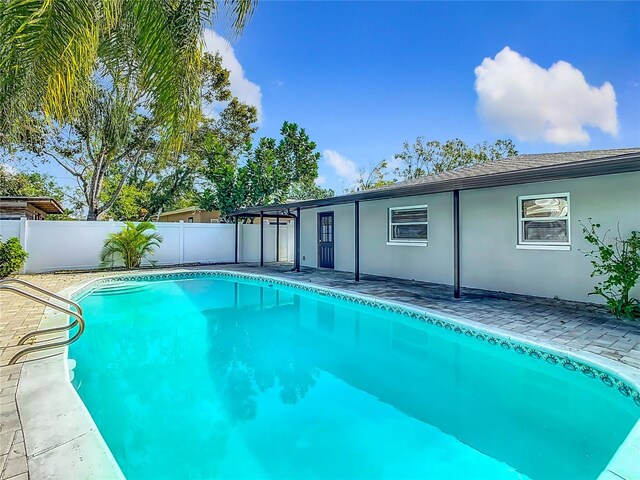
x,y
59,245
489,229
489,234
431,263
344,242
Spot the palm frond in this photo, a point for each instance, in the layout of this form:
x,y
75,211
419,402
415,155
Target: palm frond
x,y
131,245
50,50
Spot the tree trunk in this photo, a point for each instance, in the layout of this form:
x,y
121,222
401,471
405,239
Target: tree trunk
x,y
92,215
93,206
95,188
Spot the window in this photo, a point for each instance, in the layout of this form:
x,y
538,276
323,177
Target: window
x,y
190,220
408,225
543,221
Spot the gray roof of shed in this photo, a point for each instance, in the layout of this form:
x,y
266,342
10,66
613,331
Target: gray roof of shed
x,y
528,168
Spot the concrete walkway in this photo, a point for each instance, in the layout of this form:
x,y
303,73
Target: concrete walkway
x,y
567,325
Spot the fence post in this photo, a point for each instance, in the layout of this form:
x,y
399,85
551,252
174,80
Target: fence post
x,y
181,244
23,241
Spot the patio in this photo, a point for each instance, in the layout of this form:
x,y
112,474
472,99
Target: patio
x,y
566,325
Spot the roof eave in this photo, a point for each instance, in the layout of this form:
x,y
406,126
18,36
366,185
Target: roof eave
x,y
48,205
579,169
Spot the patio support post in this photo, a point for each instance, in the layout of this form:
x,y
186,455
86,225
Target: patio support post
x,y
357,240
298,239
277,238
456,244
236,252
261,238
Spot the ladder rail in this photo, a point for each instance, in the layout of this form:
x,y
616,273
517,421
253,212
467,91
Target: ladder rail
x,y
79,321
19,281
29,335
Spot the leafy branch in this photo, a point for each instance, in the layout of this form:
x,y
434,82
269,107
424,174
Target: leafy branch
x,y
618,261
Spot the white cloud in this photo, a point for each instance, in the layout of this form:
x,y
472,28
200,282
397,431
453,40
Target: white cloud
x,y
344,168
519,97
241,86
10,169
321,180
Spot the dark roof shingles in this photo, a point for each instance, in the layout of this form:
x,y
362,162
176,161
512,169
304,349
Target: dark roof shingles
x,y
517,163
508,166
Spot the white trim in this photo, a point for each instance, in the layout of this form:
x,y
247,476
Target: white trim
x,y
537,244
416,242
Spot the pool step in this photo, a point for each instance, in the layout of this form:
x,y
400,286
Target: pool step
x,y
119,288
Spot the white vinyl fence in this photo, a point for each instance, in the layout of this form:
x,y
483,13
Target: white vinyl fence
x,y
61,245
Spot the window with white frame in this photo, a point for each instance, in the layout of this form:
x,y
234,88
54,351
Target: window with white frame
x,y
543,220
408,225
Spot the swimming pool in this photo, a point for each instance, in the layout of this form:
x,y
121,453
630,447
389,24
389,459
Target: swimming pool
x,y
220,376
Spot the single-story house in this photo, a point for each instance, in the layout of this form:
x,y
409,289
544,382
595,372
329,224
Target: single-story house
x,y
31,208
512,225
190,215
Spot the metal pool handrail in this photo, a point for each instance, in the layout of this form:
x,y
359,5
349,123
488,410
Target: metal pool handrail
x,y
50,294
79,320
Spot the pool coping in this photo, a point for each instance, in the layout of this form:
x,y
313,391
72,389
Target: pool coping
x,y
72,445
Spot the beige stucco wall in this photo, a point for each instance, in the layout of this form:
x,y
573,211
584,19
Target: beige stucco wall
x,y
489,257
206,217
198,217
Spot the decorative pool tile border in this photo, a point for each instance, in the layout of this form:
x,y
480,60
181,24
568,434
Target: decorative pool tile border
x,y
612,381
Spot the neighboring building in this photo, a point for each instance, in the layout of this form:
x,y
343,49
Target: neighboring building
x,y
190,215
31,208
512,225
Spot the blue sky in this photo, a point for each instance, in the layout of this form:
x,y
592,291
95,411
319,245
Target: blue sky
x,y
363,77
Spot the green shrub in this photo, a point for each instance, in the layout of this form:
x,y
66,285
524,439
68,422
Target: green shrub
x,y
131,245
12,256
617,260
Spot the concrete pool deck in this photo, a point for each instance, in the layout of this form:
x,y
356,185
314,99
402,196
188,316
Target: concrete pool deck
x,y
568,326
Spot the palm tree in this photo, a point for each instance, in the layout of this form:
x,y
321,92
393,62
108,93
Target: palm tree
x,y
50,51
131,245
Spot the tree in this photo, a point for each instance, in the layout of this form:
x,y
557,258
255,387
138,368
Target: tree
x,y
309,191
28,184
373,178
270,173
109,137
114,142
51,52
131,202
35,184
428,157
155,186
226,183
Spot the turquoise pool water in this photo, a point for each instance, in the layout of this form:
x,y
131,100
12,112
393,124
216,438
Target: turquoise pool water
x,y
228,378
